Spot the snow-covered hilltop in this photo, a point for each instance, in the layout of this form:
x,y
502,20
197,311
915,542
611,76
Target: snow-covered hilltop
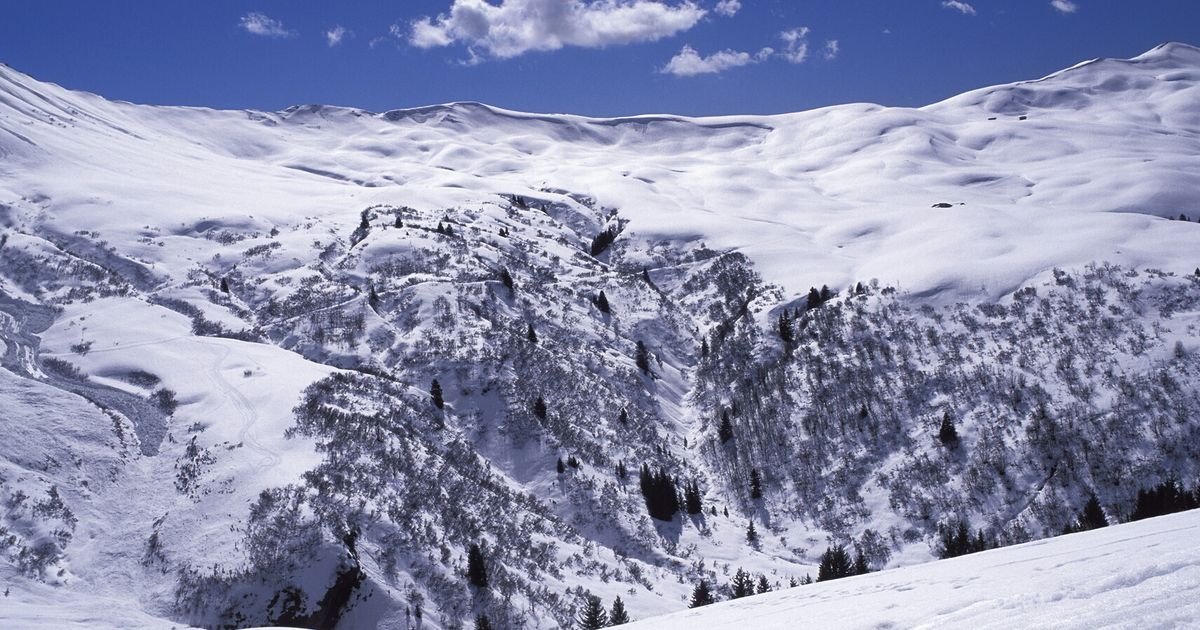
x,y
221,332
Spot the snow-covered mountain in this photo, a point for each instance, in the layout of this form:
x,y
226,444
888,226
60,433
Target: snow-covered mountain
x,y
221,329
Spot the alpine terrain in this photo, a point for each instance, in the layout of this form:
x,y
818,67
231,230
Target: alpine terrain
x,y
461,367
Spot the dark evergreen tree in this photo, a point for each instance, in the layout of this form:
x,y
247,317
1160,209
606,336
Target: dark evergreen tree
x,y
704,343
441,229
623,418
531,335
603,240
539,408
1093,515
859,289
449,230
956,540
399,222
701,595
752,534
602,302
826,294
476,567
617,616
435,392
861,567
725,431
507,279
948,434
593,616
691,500
642,357
481,622
786,327
835,564
622,472
646,276
560,467
742,584
225,285
1166,498
658,489
756,490
572,462
373,298
814,299
763,585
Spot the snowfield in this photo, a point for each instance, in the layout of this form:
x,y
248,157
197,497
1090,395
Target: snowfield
x,y
220,330
1138,575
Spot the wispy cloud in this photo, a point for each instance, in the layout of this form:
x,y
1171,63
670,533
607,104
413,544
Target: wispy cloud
x,y
1064,6
259,24
832,48
795,42
515,27
728,8
337,35
689,62
962,7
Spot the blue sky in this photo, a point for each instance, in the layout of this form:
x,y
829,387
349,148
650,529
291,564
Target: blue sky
x,y
593,57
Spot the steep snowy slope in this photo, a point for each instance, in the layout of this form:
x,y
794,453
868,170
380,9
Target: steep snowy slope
x,y
220,331
1144,574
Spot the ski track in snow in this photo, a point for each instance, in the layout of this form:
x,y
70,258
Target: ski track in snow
x,y
246,434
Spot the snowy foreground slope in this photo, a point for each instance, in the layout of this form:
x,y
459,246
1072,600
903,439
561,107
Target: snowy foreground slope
x,y
1143,575
220,332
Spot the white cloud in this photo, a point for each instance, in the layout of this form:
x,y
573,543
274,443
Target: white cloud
x,y
962,7
795,44
258,24
689,63
336,35
728,8
1064,6
832,48
515,27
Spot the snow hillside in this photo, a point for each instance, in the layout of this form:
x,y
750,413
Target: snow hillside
x,y
860,326
1144,574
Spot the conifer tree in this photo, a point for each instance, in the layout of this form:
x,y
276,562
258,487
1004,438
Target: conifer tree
x,y
399,222
751,534
476,567
701,595
785,327
642,357
373,298
692,498
225,285
835,563
725,431
623,418
593,616
756,491
1093,515
506,279
763,585
481,622
704,341
826,294
539,408
531,335
560,466
861,567
602,302
742,584
617,616
948,434
814,299
435,392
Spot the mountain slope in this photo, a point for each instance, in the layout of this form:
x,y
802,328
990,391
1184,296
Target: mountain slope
x,y
238,317
1145,573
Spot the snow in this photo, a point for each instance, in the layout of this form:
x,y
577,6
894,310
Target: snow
x,y
1144,574
178,198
